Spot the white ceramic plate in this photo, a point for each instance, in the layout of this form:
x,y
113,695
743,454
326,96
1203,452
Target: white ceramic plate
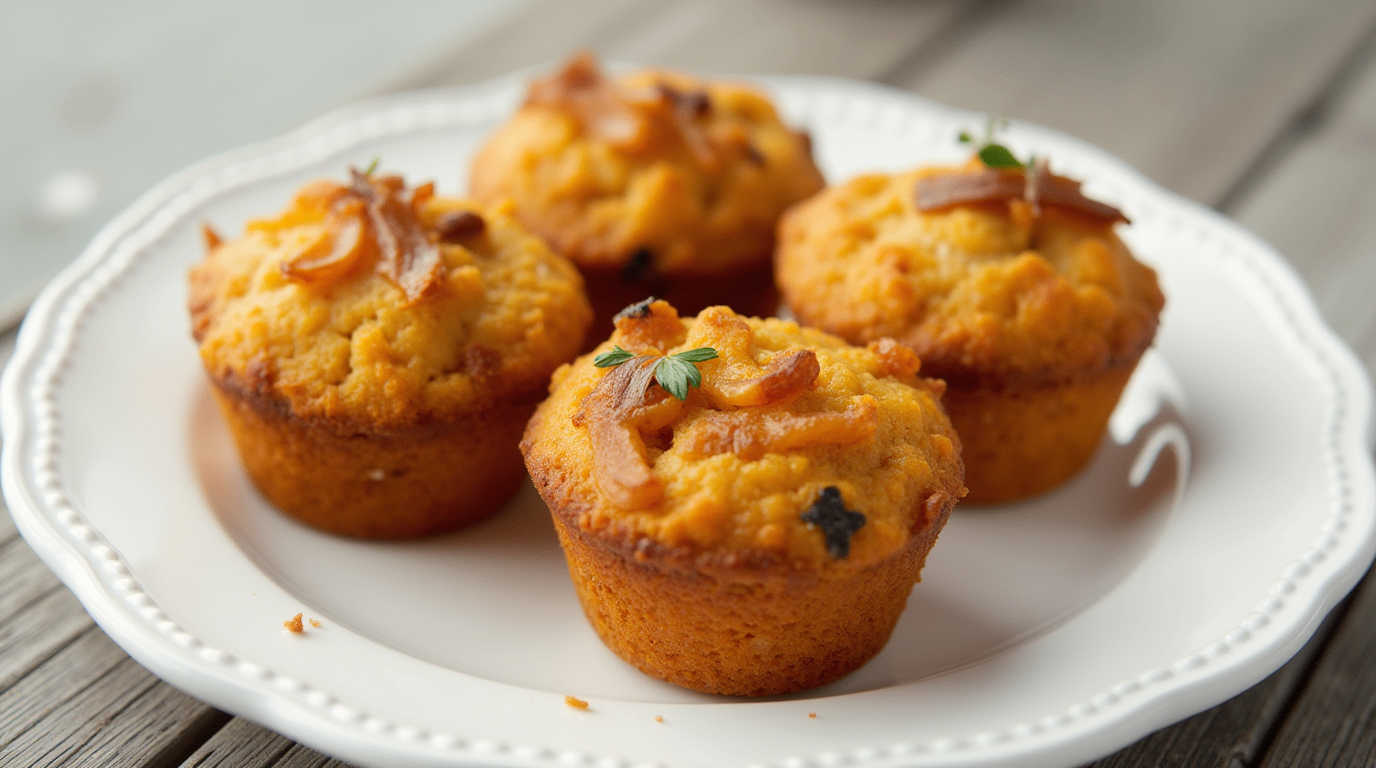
x,y
1045,633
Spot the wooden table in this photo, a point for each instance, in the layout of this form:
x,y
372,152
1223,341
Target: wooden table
x,y
1265,109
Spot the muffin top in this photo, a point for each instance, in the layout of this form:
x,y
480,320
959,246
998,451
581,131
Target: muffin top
x,y
376,308
982,281
656,172
796,448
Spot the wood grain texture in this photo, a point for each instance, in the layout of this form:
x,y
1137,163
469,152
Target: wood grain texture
x,y
91,705
1188,92
1236,733
39,630
1318,207
240,744
863,39
1333,724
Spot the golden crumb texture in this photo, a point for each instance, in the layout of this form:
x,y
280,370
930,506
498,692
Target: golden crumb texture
x,y
725,477
687,176
362,353
994,291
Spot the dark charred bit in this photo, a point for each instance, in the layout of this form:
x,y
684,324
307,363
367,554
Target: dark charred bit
x,y
457,226
638,310
838,524
754,154
805,139
640,266
692,102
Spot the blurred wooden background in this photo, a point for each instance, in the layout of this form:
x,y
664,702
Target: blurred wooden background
x,y
1264,109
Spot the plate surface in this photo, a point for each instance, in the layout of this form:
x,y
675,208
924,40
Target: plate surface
x,y
1230,508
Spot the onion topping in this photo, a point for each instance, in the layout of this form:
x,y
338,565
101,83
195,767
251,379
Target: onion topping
x,y
750,434
614,413
631,119
987,185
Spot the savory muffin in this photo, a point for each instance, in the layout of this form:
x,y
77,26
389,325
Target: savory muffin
x,y
1019,294
377,351
762,534
655,182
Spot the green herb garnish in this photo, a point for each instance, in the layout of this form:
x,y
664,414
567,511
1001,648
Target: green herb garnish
x,y
613,358
992,153
373,166
675,373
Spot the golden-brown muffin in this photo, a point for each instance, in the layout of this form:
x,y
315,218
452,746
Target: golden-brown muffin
x,y
761,536
1032,310
377,351
655,183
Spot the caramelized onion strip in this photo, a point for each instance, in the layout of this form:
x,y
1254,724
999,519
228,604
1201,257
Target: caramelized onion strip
x,y
987,185
406,254
734,378
752,434
786,375
335,252
615,413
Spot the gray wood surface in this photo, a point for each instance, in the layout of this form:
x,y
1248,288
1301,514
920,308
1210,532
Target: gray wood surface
x,y
1189,92
1266,108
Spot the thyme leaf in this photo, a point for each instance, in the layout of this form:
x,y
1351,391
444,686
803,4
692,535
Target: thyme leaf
x,y
676,373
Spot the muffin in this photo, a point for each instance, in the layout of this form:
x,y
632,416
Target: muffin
x,y
377,350
762,535
652,183
1019,295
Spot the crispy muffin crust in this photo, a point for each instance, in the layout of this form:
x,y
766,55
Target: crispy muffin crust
x,y
382,393
714,571
735,510
656,173
355,356
981,292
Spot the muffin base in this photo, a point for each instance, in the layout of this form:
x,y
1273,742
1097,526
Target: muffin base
x,y
1019,442
744,631
425,482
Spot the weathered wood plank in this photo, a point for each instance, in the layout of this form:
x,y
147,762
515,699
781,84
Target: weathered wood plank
x,y
1333,724
240,744
857,39
545,31
1188,92
37,632
1318,207
104,709
862,39
68,673
304,757
157,730
23,578
1235,733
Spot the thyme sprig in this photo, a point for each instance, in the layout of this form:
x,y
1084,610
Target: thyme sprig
x,y
990,151
675,373
999,157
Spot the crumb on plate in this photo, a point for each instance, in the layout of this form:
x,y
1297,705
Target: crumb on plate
x,y
659,718
575,702
812,715
316,623
294,624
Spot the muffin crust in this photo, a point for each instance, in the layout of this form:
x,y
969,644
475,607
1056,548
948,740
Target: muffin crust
x,y
654,182
986,291
376,396
697,542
